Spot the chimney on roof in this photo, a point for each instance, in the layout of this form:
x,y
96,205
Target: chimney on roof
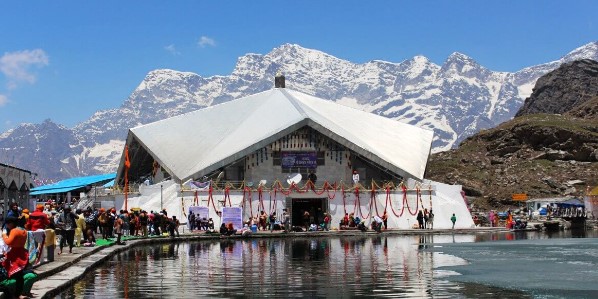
x,y
279,80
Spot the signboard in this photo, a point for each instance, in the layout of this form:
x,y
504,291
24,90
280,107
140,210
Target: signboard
x,y
233,215
519,197
299,159
200,212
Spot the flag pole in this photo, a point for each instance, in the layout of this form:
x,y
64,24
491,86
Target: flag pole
x,y
127,166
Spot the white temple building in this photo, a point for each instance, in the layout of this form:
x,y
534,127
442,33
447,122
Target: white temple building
x,y
264,152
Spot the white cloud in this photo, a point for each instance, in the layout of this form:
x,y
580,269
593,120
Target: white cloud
x,y
172,49
16,66
205,41
3,100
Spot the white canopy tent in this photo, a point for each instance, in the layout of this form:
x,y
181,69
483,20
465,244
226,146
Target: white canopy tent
x,y
196,143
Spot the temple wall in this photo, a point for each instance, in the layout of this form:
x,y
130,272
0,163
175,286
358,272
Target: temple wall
x,y
334,170
445,201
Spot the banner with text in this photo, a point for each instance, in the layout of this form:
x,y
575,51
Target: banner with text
x,y
233,215
200,212
299,159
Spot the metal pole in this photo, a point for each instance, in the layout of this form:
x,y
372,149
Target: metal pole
x,y
161,207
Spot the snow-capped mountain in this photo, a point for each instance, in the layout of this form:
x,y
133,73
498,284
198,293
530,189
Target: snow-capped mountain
x,y
455,99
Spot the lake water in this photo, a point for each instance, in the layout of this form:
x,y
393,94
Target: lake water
x,y
484,265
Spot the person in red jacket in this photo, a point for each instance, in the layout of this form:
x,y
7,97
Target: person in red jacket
x,y
37,223
38,219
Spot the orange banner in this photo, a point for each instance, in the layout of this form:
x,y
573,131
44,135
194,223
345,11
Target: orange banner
x,y
519,197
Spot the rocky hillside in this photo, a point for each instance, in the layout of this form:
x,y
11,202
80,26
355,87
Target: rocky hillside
x,y
543,155
563,89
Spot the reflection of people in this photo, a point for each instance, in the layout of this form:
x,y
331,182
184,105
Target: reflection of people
x,y
453,220
355,177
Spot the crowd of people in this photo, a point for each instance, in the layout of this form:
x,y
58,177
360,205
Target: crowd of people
x,y
27,235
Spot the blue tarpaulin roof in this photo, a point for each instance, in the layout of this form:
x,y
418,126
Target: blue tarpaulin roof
x,y
572,202
109,184
72,184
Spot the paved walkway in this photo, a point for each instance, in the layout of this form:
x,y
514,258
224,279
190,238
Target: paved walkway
x,y
54,277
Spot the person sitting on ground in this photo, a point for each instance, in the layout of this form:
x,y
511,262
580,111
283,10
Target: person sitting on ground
x,y
362,227
210,225
377,224
263,220
345,221
352,220
204,223
223,230
230,229
312,227
246,231
357,220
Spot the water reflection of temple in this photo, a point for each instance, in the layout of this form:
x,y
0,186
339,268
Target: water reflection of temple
x,y
312,267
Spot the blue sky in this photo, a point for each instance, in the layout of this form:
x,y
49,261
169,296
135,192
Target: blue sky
x,y
64,60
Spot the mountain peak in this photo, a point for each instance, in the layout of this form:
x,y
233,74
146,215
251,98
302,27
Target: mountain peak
x,y
460,63
458,56
589,50
294,51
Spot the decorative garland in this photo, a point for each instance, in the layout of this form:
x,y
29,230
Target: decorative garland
x,y
430,197
247,190
211,199
227,195
273,207
260,201
325,188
